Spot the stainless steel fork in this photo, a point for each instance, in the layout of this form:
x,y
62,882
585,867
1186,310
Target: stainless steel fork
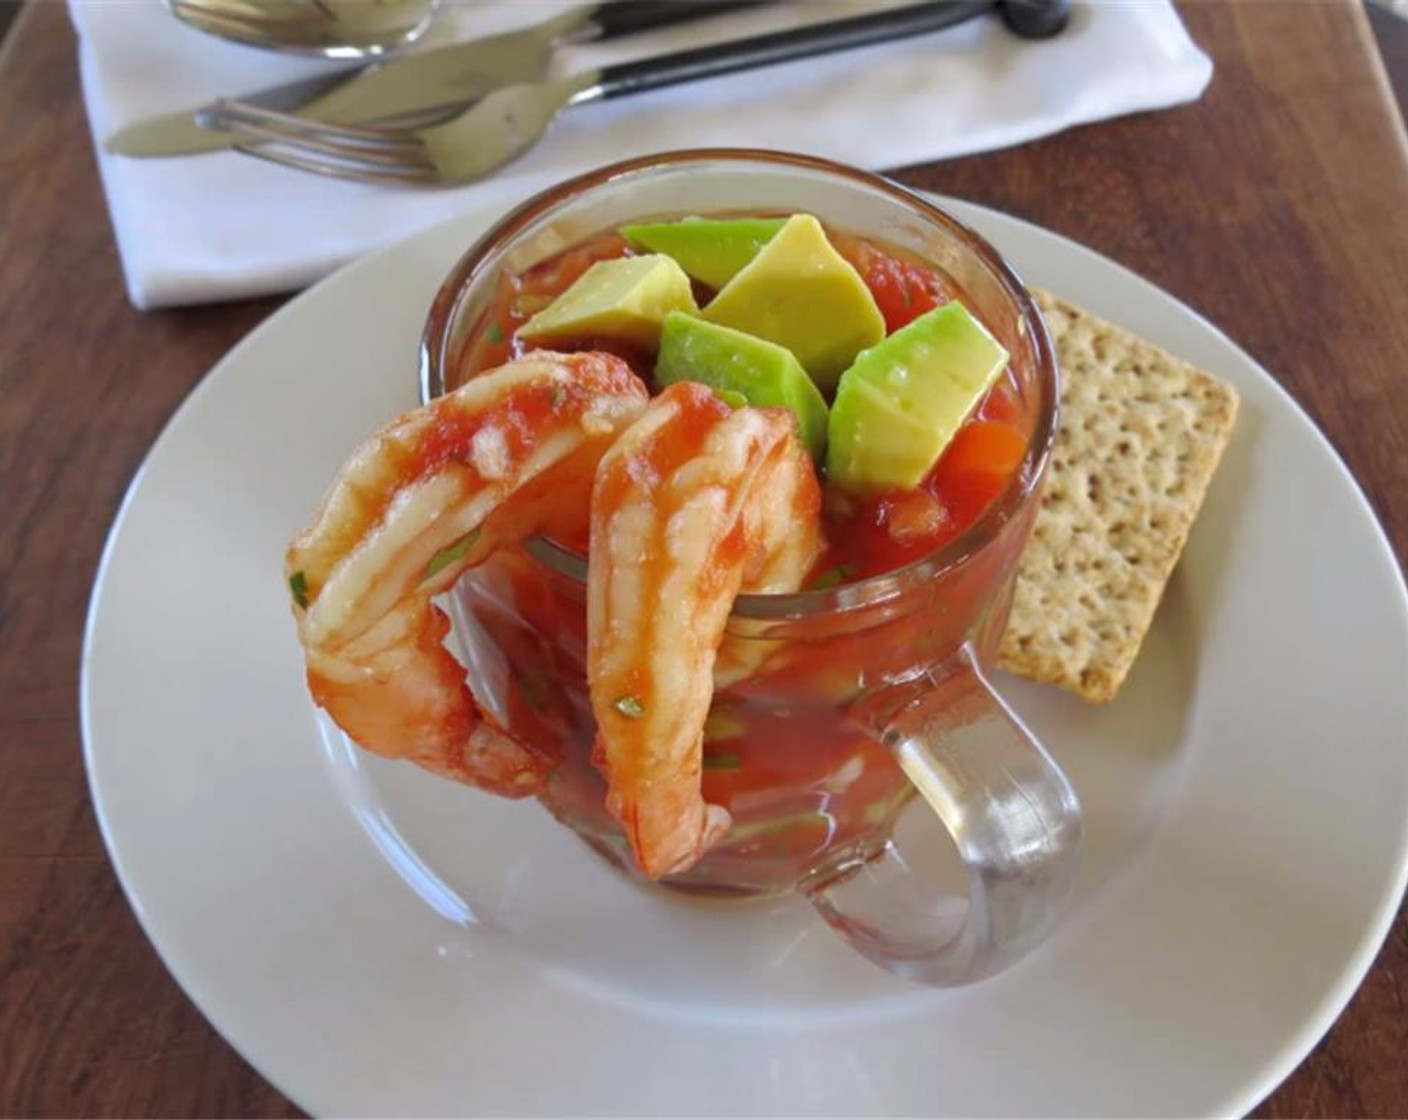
x,y
510,120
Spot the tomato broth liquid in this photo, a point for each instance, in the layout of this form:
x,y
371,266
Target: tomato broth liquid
x,y
799,780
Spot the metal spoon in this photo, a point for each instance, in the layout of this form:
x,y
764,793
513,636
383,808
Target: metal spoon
x,y
355,29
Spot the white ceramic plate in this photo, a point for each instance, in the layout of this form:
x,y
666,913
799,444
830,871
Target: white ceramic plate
x,y
379,942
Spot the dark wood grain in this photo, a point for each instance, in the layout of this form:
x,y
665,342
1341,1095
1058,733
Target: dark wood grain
x,y
90,1022
1283,191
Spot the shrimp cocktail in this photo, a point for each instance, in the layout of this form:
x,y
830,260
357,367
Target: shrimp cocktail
x,y
703,538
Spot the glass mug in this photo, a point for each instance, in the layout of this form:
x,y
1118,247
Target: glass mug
x,y
832,707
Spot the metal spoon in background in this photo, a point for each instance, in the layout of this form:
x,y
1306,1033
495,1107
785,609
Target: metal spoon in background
x,y
354,29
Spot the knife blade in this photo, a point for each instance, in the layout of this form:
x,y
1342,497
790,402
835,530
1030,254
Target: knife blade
x,y
426,83
407,83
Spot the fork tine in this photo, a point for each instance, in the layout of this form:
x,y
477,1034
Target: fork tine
x,y
411,158
342,151
295,129
398,175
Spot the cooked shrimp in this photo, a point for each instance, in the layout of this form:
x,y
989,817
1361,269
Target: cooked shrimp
x,y
511,453
787,529
692,504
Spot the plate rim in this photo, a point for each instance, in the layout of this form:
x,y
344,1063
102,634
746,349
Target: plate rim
x,y
1294,1049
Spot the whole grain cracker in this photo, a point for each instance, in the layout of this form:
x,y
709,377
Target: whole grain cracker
x,y
1140,436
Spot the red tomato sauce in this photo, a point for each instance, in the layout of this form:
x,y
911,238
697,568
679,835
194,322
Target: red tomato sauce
x,y
798,779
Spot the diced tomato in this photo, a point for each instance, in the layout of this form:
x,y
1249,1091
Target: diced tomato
x,y
975,469
1003,401
983,447
888,531
903,291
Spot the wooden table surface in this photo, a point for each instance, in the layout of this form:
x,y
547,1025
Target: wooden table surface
x,y
1277,205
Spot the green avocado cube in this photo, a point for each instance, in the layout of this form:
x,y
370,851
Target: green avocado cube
x,y
765,374
626,298
712,250
800,293
900,404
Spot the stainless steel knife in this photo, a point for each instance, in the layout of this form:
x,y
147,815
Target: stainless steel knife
x,y
422,85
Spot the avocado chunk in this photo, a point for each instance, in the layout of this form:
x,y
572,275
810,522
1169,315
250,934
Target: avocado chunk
x,y
626,298
800,293
711,250
902,402
765,374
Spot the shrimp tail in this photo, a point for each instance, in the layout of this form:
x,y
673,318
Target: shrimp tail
x,y
414,702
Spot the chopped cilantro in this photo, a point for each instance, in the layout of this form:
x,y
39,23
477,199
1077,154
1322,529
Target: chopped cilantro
x,y
831,577
723,723
298,584
452,553
630,707
494,333
722,762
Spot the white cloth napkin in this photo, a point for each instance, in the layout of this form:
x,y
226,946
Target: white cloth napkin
x,y
222,226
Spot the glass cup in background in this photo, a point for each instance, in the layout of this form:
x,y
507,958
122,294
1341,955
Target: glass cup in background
x,y
832,708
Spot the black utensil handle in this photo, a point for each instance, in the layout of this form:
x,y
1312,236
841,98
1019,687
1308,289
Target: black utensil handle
x,y
1035,19
616,18
783,46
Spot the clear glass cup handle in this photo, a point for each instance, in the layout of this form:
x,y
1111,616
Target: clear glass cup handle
x,y
1011,813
